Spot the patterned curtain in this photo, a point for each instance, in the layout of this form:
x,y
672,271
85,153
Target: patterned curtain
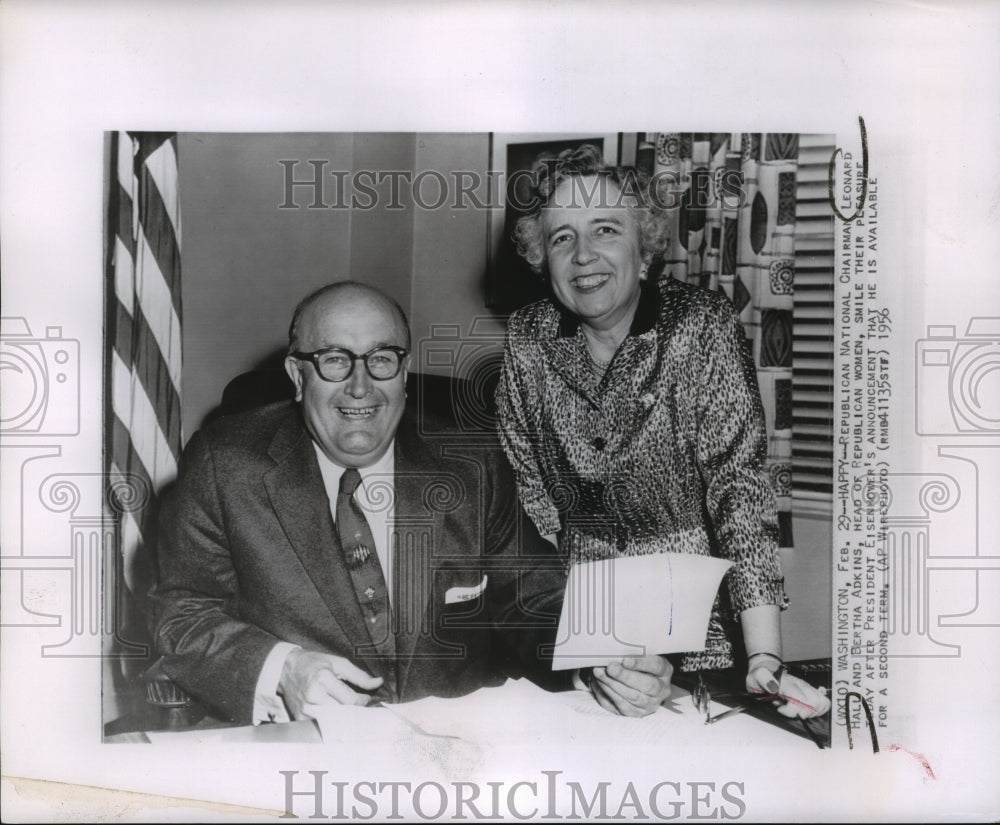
x,y
730,198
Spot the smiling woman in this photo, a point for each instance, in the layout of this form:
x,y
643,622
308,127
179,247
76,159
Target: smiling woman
x,y
630,411
595,264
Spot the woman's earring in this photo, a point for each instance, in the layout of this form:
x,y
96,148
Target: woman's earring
x,y
643,272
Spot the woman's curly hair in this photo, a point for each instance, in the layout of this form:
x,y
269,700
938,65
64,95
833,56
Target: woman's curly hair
x,y
549,170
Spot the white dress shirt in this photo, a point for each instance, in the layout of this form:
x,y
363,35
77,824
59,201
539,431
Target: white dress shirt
x,y
376,495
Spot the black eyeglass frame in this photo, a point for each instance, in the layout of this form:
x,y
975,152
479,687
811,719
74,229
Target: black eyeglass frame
x,y
314,356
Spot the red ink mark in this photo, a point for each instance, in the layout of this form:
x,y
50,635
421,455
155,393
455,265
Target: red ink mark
x,y
918,756
787,698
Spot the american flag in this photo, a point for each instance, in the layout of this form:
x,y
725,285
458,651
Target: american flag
x,y
143,363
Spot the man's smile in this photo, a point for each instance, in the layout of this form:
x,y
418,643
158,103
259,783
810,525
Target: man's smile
x,y
358,413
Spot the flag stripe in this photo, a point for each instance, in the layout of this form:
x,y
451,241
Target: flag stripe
x,y
161,165
132,405
143,313
147,144
125,163
154,376
139,353
124,229
126,454
124,282
123,333
159,234
154,302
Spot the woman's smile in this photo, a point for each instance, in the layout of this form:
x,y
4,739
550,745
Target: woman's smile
x,y
591,283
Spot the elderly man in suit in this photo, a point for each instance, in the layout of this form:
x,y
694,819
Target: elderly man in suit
x,y
325,552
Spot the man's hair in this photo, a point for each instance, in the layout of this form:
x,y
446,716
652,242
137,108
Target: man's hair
x,y
338,286
549,170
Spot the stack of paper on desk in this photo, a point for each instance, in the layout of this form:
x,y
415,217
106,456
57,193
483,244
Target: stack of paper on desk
x,y
483,716
457,736
636,605
516,713
463,735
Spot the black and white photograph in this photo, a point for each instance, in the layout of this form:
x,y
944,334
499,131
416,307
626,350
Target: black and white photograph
x,y
644,405
403,433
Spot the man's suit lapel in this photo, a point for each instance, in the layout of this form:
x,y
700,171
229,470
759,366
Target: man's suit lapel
x,y
295,488
413,536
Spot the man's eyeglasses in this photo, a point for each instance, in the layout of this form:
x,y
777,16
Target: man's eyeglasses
x,y
336,364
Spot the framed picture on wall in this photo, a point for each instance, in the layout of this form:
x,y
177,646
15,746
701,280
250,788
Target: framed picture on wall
x,y
510,283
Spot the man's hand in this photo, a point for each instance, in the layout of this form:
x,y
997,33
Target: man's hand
x,y
309,678
636,687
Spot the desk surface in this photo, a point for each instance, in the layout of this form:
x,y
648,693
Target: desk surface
x,y
305,732
727,687
677,721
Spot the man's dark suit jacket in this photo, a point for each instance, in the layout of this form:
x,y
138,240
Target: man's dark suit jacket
x,y
249,556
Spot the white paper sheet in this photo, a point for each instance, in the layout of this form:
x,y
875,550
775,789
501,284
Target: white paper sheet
x,y
387,730
351,723
636,605
471,731
481,717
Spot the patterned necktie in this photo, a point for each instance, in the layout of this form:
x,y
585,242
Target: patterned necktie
x,y
366,573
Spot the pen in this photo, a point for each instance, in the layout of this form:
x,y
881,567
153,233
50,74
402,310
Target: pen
x,y
746,705
413,725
